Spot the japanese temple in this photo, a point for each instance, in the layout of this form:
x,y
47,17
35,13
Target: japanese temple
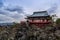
x,y
40,18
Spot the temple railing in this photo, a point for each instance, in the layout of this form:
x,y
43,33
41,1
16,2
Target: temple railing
x,y
40,21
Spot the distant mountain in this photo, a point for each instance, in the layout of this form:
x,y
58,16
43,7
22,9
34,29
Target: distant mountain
x,y
6,24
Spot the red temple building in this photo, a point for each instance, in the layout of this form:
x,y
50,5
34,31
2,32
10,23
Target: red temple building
x,y
40,18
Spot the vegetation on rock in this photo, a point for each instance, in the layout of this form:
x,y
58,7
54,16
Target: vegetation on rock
x,y
22,32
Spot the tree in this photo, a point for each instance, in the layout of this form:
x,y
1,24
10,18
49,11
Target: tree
x,y
58,22
54,17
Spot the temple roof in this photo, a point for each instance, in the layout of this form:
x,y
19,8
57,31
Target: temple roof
x,y
38,14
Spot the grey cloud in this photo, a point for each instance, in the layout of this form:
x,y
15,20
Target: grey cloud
x,y
9,15
15,8
53,8
17,16
1,3
3,12
5,18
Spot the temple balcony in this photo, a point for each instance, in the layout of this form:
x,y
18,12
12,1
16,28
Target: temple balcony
x,y
40,21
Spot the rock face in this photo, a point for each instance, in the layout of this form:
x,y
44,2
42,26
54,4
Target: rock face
x,y
23,32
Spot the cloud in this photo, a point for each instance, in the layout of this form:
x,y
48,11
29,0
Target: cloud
x,y
14,8
58,11
1,3
53,8
15,13
10,16
9,13
4,18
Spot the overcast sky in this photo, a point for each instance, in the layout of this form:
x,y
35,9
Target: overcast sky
x,y
15,10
